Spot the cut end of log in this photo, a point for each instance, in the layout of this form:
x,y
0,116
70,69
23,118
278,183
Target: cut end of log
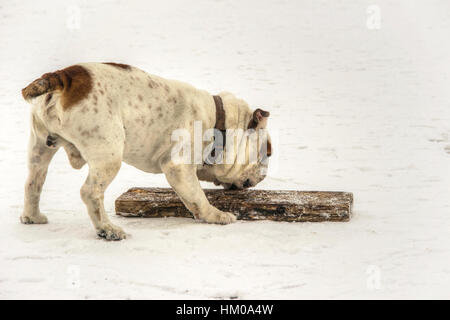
x,y
249,204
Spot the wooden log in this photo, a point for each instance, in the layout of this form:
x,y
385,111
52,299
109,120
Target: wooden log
x,y
249,204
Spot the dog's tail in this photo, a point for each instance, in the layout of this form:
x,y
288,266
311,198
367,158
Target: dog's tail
x,y
48,82
74,83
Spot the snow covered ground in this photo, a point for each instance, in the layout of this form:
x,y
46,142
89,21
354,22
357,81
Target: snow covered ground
x,y
358,105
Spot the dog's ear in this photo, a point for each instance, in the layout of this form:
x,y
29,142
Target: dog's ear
x,y
259,119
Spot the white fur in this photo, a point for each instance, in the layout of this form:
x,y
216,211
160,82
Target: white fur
x,y
131,121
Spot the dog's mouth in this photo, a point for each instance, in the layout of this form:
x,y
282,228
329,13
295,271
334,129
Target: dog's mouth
x,y
235,186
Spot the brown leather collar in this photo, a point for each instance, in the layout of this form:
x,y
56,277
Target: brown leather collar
x,y
220,126
220,113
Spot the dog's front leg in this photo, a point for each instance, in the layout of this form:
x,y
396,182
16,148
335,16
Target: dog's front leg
x,y
39,157
184,181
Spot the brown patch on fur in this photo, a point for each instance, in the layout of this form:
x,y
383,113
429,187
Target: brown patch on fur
x,y
172,100
97,213
75,82
153,84
195,209
85,133
48,98
258,116
119,65
140,97
252,124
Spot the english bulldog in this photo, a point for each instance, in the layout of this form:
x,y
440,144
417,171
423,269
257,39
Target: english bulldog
x,y
106,113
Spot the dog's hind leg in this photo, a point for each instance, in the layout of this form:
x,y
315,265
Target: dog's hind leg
x,y
101,173
39,157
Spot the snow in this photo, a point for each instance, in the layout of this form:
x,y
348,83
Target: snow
x,y
353,108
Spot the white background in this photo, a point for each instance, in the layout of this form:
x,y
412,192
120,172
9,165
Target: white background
x,y
357,106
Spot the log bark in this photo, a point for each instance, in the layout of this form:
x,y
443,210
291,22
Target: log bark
x,y
249,204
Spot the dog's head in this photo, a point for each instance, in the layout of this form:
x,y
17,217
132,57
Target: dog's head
x,y
245,158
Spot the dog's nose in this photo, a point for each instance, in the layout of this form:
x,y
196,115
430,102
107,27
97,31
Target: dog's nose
x,y
234,187
247,183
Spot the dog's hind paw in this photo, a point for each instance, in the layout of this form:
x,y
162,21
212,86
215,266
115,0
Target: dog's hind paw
x,y
35,219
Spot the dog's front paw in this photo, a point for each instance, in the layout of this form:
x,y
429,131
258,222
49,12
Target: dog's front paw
x,y
219,217
111,232
35,219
